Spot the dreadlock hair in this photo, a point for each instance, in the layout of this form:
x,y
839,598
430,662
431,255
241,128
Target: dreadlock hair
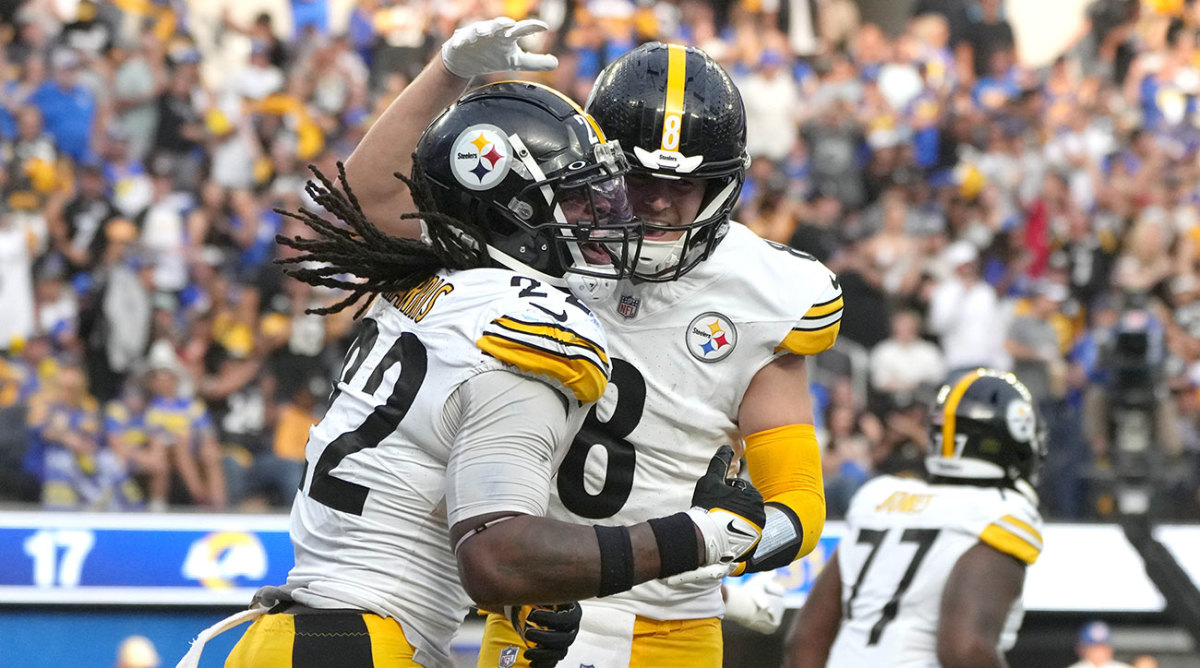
x,y
382,262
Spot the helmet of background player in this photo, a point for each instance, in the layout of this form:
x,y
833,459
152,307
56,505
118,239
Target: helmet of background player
x,y
677,115
985,428
536,173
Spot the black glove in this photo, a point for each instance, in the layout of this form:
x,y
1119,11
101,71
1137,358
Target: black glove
x,y
728,511
548,631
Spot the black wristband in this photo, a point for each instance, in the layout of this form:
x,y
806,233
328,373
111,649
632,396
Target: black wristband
x,y
678,547
616,559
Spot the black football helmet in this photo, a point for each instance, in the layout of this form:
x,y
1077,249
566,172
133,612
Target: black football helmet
x,y
985,428
677,115
527,165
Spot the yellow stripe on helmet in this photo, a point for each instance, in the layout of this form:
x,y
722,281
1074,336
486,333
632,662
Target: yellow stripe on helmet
x,y
574,105
673,107
950,410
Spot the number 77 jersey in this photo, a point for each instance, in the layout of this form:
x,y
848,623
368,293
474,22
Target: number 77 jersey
x,y
903,538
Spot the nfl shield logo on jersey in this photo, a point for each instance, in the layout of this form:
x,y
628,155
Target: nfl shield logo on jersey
x,y
711,337
628,306
508,657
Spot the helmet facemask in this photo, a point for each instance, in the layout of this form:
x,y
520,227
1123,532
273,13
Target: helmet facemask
x,y
589,226
662,261
532,172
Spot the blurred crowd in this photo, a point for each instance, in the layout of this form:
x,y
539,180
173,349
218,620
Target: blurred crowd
x,y
978,211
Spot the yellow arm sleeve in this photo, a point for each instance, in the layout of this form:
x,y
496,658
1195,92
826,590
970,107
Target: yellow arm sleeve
x,y
785,465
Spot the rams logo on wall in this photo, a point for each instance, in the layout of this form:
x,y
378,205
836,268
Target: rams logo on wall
x,y
219,558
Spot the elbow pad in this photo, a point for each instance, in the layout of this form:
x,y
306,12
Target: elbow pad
x,y
785,465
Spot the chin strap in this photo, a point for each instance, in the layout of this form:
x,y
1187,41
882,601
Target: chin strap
x,y
1025,489
591,289
659,257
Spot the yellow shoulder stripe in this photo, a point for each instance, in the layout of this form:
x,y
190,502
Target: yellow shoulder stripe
x,y
1009,543
821,310
1013,520
555,333
810,342
578,373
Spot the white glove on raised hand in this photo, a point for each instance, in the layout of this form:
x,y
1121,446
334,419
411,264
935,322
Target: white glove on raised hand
x,y
757,605
491,46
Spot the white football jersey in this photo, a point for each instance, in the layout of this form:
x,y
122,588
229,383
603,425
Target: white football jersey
x,y
369,525
903,538
683,354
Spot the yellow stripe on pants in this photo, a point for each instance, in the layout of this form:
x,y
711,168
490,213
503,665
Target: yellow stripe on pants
x,y
682,643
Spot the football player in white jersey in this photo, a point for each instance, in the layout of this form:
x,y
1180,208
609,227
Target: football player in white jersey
x,y
930,573
427,481
708,339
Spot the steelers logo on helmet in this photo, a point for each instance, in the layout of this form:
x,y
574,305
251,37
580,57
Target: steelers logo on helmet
x,y
1021,421
711,337
481,157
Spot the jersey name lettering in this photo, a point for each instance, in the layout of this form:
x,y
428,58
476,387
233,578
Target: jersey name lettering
x,y
903,502
419,301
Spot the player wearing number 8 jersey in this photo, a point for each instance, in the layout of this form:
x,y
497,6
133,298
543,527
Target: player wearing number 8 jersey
x,y
708,339
930,573
427,480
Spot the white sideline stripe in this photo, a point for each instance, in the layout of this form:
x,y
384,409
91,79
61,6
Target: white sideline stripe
x,y
139,595
206,522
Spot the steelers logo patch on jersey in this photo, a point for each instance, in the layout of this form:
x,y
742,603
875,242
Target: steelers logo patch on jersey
x,y
481,157
711,337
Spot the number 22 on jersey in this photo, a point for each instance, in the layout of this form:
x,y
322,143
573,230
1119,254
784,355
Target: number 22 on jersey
x,y
407,351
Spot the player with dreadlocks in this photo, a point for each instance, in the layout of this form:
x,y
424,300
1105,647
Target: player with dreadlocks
x,y
386,264
427,481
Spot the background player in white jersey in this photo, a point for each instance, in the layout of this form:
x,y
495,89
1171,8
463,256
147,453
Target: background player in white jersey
x,y
930,573
708,339
427,479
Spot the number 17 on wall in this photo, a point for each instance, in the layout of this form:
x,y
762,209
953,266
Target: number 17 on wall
x,y
48,569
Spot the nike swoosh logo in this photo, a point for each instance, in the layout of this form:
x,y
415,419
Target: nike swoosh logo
x,y
561,317
834,281
734,529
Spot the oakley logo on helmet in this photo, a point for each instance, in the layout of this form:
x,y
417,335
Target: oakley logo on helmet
x,y
480,157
